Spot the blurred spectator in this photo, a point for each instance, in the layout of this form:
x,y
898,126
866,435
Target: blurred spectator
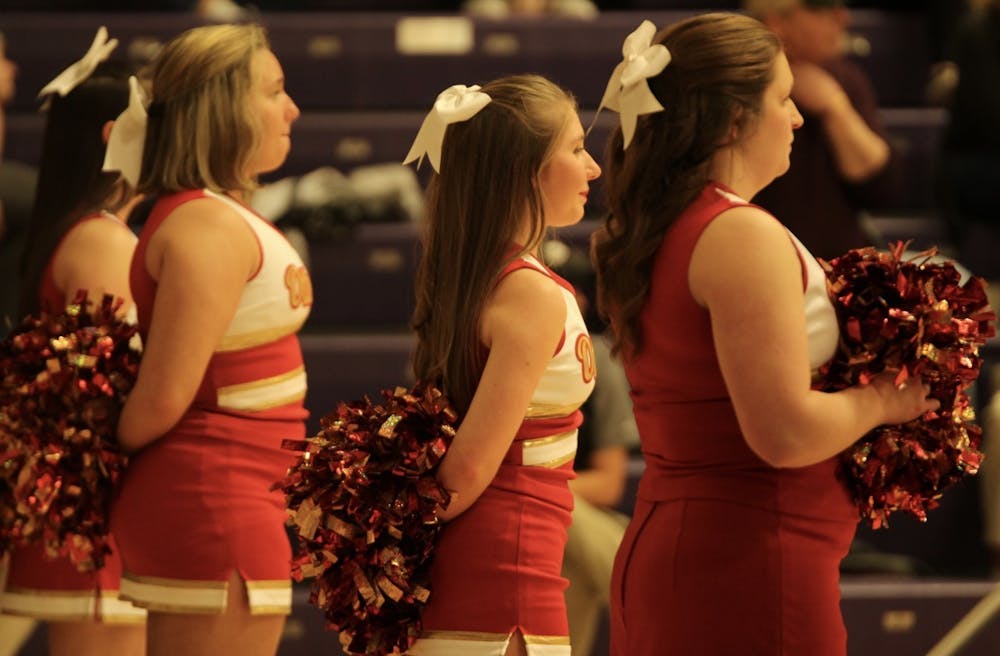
x,y
841,162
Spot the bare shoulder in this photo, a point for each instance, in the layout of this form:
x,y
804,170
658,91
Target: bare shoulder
x,y
744,244
528,290
203,218
741,236
206,231
526,304
745,222
101,236
96,255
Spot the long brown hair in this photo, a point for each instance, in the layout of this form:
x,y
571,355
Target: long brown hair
x,y
475,210
71,182
202,130
720,66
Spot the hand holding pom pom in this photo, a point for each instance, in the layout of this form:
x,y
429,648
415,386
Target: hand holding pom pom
x,y
364,498
911,321
65,378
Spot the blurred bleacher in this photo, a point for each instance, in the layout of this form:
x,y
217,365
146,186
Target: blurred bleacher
x,y
364,82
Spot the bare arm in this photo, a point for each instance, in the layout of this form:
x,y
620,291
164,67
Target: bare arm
x,y
201,256
77,267
860,152
745,270
521,324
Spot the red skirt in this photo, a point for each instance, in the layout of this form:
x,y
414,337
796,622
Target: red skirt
x,y
197,505
54,590
703,577
497,567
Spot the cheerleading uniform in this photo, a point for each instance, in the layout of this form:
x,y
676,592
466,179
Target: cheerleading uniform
x,y
497,565
52,588
197,503
724,554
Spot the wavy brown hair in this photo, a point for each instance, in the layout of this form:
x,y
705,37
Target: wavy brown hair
x,y
202,131
712,90
475,209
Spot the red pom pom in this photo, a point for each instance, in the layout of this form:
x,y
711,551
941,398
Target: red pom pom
x,y
364,498
65,378
915,317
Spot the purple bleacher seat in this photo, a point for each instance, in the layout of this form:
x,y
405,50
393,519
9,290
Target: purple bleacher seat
x,y
349,61
356,57
348,139
44,43
910,616
345,140
346,367
366,280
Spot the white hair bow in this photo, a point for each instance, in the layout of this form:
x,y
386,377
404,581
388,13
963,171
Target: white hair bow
x,y
628,91
455,104
128,135
79,71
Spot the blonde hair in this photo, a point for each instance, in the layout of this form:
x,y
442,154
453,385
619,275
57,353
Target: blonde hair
x,y
202,131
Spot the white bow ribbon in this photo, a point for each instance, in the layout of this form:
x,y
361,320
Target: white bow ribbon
x,y
455,104
128,135
628,91
79,71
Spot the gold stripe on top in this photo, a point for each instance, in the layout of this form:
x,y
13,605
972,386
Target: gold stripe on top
x,y
541,441
54,594
264,393
175,583
263,382
256,337
550,410
546,640
555,462
472,636
551,451
273,403
269,585
271,610
166,607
